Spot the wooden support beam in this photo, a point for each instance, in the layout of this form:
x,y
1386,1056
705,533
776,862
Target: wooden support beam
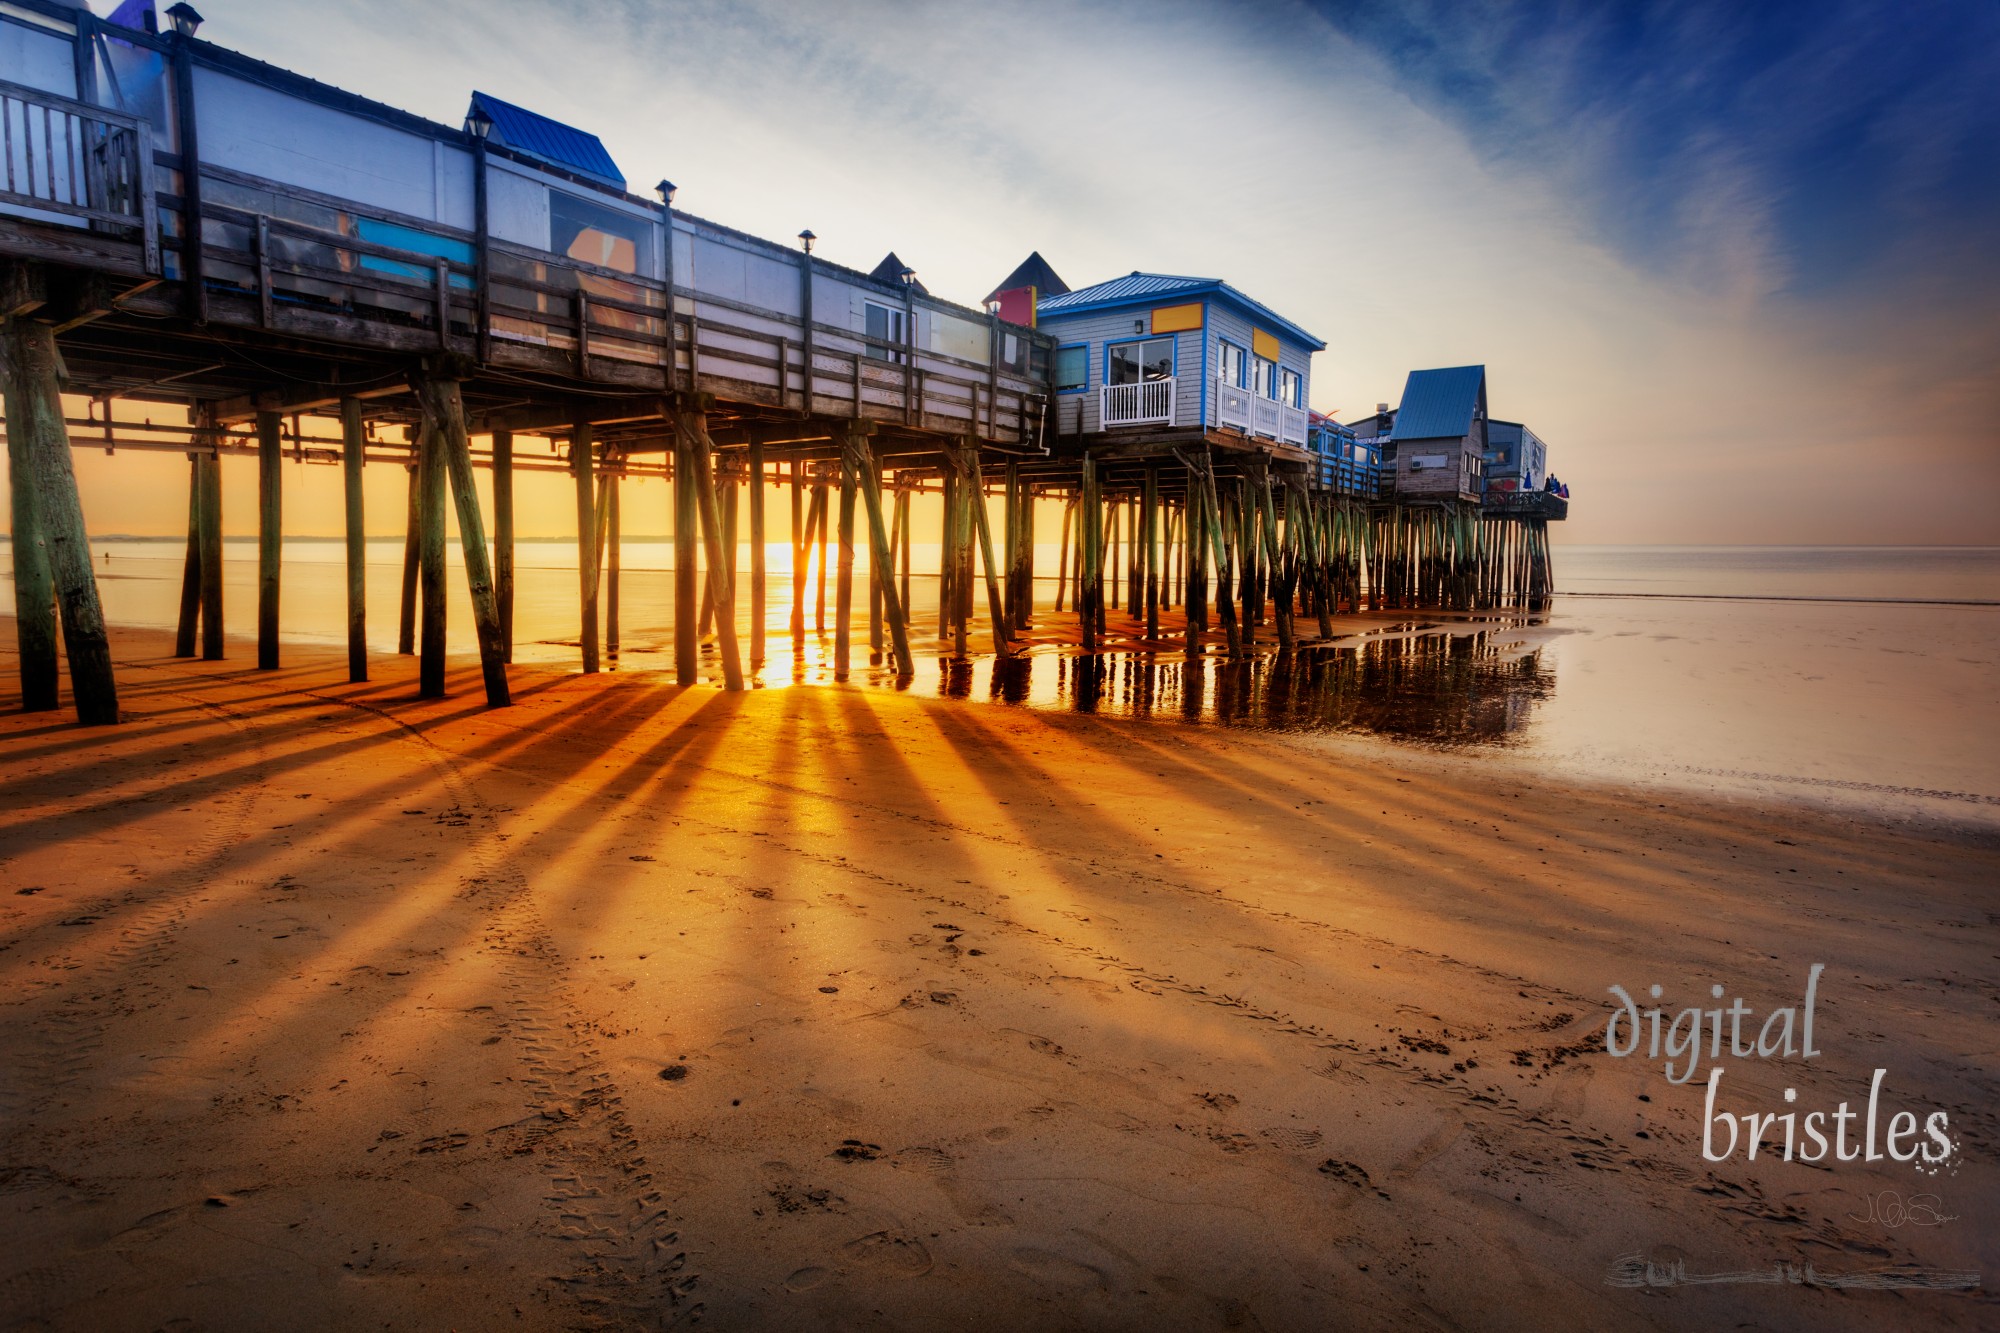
x,y
1149,540
432,483
1212,517
614,561
861,462
35,415
208,468
758,580
450,445
843,614
353,442
693,425
819,527
1062,553
948,556
801,550
1088,590
270,534
687,530
581,448
903,544
503,538
34,583
995,606
184,634
1010,527
406,615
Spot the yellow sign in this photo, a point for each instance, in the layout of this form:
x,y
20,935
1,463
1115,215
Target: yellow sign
x,y
1263,344
1174,318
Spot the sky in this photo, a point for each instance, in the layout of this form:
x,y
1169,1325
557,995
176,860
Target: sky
x,y
1735,263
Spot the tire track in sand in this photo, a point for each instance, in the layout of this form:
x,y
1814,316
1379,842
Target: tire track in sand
x,y
630,1270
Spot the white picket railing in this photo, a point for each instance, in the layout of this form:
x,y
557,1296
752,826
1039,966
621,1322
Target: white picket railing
x,y
1233,405
1292,424
1148,403
1256,415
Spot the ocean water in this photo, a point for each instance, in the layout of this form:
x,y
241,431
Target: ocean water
x,y
1862,676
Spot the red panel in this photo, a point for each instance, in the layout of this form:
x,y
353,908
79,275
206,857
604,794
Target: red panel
x,y
1016,305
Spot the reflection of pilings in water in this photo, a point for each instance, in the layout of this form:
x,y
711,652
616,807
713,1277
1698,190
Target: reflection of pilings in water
x,y
1459,689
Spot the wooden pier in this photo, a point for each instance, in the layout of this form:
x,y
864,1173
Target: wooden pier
x,y
466,290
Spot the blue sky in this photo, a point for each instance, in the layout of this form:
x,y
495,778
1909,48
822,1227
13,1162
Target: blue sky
x,y
1733,261
1856,143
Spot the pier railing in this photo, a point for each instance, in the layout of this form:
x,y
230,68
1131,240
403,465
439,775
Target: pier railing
x,y
1147,403
290,260
1254,414
67,162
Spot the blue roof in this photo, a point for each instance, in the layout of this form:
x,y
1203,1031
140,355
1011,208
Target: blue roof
x,y
550,140
1438,404
1140,288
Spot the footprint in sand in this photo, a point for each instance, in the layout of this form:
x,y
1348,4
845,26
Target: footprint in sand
x,y
807,1278
1056,1270
888,1253
925,1161
1291,1136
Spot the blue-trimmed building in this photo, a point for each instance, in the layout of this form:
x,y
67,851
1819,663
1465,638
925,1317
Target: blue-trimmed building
x,y
1346,464
1177,356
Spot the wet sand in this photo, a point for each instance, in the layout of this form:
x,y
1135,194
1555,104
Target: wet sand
x,y
841,1008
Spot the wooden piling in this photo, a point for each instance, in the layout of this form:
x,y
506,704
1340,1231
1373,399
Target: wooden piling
x,y
1062,553
581,466
432,483
995,604
270,534
692,424
406,612
450,452
860,456
1087,588
843,614
801,550
947,553
819,505
208,468
353,443
614,562
687,527
1225,606
1149,541
184,634
503,538
758,581
903,545
34,585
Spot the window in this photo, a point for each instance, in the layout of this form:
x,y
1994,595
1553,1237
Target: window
x,y
1263,377
1230,363
1130,363
886,324
1072,369
1291,388
595,234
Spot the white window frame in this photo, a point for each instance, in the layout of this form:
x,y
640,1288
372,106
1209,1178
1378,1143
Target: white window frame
x,y
897,323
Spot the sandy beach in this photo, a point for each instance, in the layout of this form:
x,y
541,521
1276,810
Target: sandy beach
x,y
834,1008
